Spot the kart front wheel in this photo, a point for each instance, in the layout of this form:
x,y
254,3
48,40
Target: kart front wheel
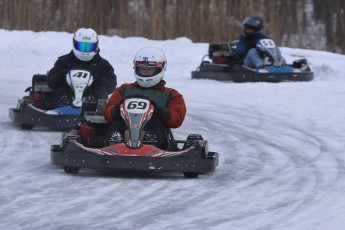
x,y
27,126
191,174
70,169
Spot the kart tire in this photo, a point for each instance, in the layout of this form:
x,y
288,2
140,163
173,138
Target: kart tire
x,y
191,174
27,126
70,169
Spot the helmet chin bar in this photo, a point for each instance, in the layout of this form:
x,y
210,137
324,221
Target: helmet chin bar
x,y
148,82
84,56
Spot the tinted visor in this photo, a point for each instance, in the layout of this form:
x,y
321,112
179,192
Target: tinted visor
x,y
85,47
250,28
147,71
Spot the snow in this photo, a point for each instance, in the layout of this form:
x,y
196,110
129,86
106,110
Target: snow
x,y
281,146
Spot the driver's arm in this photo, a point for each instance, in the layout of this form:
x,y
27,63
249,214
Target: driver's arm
x,y
241,50
56,76
114,100
109,79
177,110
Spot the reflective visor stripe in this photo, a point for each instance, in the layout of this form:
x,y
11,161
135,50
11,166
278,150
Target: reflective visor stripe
x,y
148,63
142,63
85,46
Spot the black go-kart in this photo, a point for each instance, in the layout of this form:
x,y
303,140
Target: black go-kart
x,y
86,147
224,66
39,108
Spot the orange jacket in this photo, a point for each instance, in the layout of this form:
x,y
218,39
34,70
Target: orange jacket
x,y
159,94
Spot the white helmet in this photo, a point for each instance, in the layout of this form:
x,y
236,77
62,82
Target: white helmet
x,y
149,66
85,44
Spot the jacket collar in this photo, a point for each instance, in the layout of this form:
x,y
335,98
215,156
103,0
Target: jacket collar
x,y
96,57
160,85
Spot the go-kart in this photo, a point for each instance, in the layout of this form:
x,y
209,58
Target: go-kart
x,y
86,147
224,65
39,109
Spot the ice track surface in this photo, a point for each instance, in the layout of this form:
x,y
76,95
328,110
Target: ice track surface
x,y
281,146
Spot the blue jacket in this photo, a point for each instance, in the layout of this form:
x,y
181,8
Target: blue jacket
x,y
101,70
245,43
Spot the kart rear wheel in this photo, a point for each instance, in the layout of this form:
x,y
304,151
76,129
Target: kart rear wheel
x,y
191,174
70,169
27,126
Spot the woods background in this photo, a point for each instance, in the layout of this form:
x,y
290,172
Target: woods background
x,y
311,24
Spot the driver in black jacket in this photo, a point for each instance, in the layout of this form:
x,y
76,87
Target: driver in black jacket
x,y
85,56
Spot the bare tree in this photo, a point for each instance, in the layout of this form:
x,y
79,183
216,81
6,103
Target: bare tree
x,y
314,24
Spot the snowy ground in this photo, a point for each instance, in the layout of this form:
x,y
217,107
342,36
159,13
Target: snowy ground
x,y
281,146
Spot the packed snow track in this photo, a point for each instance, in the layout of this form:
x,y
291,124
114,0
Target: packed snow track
x,y
281,146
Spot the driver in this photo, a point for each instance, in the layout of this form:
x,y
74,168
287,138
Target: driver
x,y
170,110
246,47
84,55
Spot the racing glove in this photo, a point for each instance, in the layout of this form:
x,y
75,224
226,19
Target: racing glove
x,y
116,113
161,114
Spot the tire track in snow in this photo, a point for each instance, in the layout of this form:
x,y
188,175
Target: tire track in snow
x,y
30,182
263,180
298,176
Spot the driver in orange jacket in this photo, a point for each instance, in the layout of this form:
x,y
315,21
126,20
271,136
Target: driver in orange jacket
x,y
170,110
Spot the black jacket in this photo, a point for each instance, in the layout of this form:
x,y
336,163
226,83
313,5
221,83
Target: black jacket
x,y
101,70
245,43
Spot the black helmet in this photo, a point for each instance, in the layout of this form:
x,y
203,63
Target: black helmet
x,y
253,22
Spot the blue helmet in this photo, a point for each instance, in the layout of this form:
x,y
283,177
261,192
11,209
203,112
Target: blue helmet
x,y
252,22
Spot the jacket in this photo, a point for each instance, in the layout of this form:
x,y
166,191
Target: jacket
x,y
159,94
101,70
246,43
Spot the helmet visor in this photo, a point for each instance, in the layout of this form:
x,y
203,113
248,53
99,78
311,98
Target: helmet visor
x,y
147,71
85,47
249,29
147,68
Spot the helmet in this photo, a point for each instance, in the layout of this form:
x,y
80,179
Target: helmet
x,y
252,22
149,66
85,44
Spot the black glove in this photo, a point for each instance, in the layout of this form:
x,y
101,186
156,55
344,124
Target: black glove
x,y
261,53
161,114
116,113
97,80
